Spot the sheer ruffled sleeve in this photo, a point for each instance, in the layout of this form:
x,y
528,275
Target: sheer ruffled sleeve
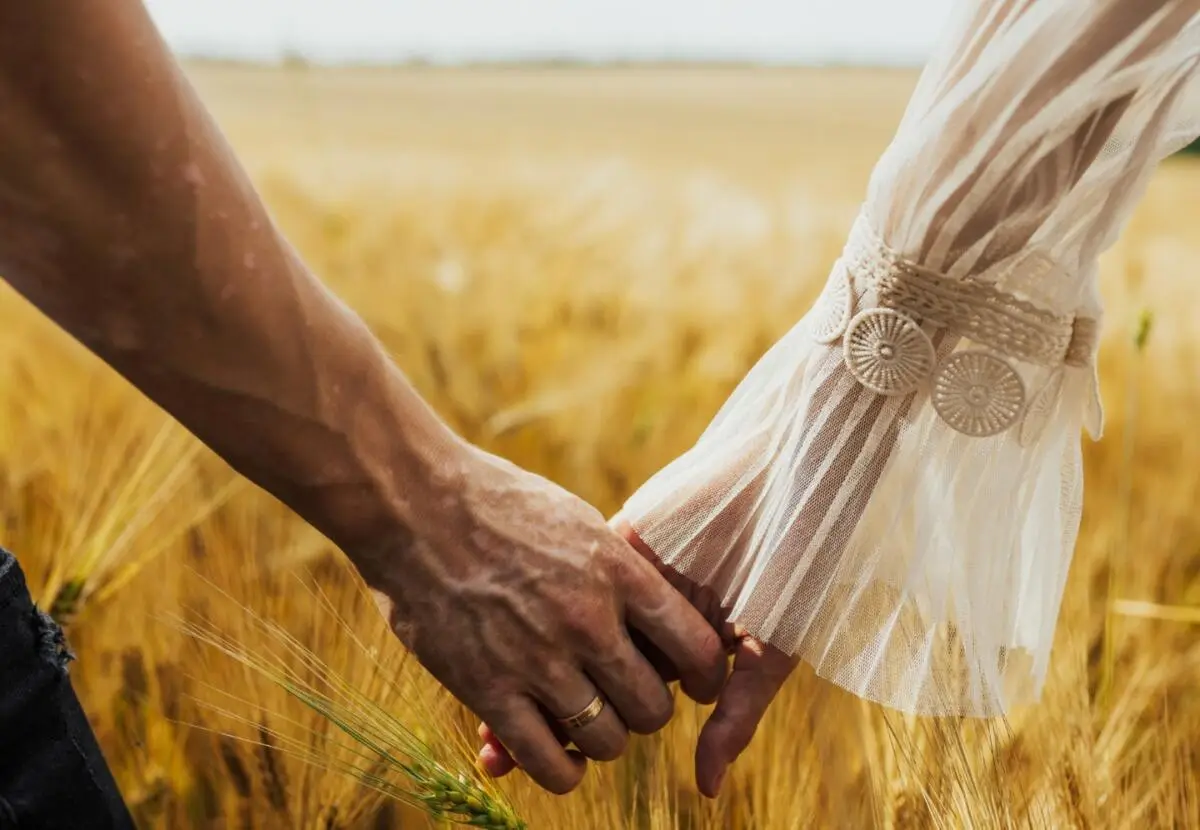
x,y
893,493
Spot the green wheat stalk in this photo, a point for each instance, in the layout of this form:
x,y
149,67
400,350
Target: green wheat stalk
x,y
382,747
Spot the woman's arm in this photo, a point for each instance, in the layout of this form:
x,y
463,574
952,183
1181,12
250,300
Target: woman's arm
x,y
893,493
125,217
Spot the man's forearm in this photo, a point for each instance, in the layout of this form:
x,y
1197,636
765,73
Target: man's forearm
x,y
125,218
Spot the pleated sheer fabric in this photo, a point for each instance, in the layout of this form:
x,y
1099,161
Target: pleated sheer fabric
x,y
893,493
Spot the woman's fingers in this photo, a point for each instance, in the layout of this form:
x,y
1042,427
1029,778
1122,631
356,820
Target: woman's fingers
x,y
759,671
493,757
495,761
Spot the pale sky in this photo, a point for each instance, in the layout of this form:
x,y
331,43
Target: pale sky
x,y
792,31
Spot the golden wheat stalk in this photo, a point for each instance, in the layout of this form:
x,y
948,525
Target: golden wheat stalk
x,y
381,745
1157,611
1137,345
130,515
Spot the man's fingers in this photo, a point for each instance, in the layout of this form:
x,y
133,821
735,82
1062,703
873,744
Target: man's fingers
x,y
633,687
566,692
654,655
703,599
759,670
625,529
661,662
496,760
531,743
603,739
680,632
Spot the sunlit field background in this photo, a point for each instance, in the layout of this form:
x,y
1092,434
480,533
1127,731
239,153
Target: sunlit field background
x,y
576,266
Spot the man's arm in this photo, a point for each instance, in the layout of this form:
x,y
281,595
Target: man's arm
x,y
125,218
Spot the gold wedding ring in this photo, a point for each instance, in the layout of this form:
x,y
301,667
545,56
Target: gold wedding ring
x,y
588,714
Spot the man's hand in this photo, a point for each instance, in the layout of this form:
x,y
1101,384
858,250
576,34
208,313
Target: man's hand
x,y
128,221
519,598
759,671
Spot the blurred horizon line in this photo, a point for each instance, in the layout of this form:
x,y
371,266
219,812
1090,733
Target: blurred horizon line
x,y
770,33
299,59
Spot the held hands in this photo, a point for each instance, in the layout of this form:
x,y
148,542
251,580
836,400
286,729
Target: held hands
x,y
759,671
522,601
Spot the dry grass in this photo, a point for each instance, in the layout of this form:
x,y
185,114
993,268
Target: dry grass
x,y
576,267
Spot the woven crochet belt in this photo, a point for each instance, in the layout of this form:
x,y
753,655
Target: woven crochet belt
x,y
976,391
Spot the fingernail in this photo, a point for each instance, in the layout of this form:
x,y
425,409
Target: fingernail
x,y
487,756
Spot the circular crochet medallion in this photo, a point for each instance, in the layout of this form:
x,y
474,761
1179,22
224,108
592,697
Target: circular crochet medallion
x,y
887,352
978,394
833,309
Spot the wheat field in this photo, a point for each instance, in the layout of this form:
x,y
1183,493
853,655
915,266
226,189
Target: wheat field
x,y
576,266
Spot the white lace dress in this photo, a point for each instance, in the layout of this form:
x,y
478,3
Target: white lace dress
x,y
893,493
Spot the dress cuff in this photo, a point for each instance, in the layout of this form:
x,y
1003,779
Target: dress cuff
x,y
893,493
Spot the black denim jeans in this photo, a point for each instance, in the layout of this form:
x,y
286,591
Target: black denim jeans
x,y
52,775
